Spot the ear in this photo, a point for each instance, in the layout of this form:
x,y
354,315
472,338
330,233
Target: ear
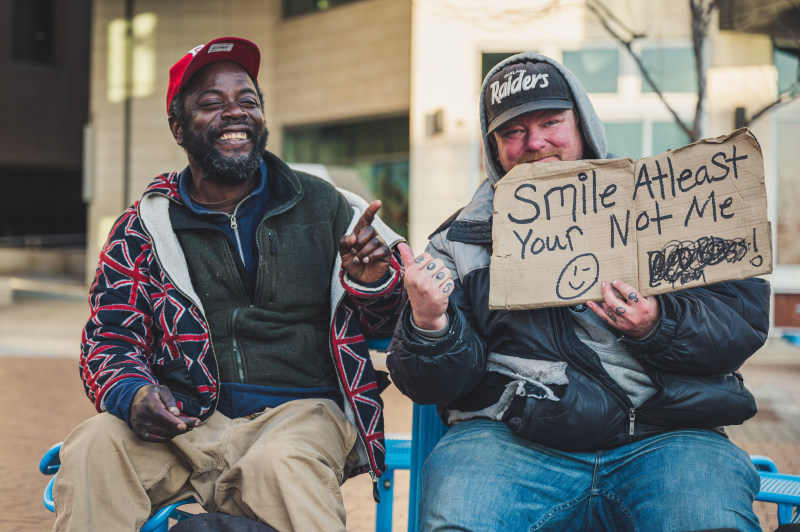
x,y
177,130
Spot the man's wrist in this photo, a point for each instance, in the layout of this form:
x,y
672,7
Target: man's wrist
x,y
433,332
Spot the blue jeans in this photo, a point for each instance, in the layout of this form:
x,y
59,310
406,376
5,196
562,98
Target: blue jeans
x,y
481,477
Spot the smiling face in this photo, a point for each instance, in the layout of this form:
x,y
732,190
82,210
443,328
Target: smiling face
x,y
223,129
578,277
538,136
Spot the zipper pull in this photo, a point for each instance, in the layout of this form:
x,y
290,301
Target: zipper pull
x,y
375,494
273,247
234,225
631,418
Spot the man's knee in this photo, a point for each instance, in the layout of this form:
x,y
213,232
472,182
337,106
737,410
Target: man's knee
x,y
103,431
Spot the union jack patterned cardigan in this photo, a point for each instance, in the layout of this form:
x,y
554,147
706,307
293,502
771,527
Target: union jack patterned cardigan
x,y
145,312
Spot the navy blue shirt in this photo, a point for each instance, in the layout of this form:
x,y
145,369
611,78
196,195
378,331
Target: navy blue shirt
x,y
240,227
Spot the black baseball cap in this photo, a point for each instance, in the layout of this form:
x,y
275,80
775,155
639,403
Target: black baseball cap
x,y
520,88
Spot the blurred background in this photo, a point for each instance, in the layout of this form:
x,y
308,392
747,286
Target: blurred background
x,y
381,96
382,92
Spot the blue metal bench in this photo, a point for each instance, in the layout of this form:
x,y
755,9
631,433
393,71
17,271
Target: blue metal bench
x,y
411,452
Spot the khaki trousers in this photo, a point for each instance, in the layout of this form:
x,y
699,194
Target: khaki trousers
x,y
283,467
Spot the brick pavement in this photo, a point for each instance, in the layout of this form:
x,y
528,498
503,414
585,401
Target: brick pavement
x,y
42,399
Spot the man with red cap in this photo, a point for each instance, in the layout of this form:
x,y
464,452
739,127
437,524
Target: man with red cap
x,y
225,348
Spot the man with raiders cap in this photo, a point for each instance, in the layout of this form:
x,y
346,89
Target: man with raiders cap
x,y
225,348
605,416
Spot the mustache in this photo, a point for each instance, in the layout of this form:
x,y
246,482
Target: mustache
x,y
532,157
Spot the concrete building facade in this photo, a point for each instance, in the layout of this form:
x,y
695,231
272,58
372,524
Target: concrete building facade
x,y
342,77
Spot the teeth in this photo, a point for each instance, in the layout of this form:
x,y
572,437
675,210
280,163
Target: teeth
x,y
233,136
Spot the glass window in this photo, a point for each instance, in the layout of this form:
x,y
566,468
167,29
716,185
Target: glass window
x,y
672,69
668,136
490,60
293,8
788,157
32,28
624,139
597,69
377,149
788,66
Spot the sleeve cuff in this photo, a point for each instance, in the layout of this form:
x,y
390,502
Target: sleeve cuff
x,y
119,398
428,334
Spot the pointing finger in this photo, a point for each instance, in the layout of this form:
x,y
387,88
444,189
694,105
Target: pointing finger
x,y
367,218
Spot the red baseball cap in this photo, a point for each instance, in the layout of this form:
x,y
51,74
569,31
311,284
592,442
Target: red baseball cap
x,y
240,51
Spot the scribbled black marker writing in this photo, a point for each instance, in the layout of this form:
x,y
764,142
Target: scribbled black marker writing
x,y
681,262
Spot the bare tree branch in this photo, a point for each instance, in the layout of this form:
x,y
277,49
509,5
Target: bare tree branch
x,y
595,6
701,19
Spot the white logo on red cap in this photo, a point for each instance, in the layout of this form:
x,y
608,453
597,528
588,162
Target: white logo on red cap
x,y
512,86
220,47
196,49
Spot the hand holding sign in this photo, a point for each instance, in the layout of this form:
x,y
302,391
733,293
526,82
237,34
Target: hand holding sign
x,y
429,285
625,309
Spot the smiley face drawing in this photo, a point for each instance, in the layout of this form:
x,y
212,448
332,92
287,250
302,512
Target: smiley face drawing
x,y
578,277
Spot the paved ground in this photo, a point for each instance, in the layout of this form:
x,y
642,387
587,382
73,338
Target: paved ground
x,y
42,399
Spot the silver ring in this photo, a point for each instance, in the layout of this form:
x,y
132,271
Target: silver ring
x,y
356,260
146,435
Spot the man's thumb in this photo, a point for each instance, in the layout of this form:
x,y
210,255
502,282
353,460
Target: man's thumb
x,y
169,400
405,253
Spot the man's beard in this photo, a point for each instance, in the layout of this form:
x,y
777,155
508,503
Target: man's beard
x,y
219,168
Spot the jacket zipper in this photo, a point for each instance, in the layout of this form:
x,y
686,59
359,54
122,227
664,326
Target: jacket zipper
x,y
236,352
235,229
273,251
620,401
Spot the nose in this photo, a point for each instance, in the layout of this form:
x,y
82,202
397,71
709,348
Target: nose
x,y
535,140
233,111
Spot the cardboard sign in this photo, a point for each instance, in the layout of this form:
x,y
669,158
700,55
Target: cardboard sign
x,y
685,218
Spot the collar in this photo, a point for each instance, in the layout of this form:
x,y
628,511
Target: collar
x,y
186,175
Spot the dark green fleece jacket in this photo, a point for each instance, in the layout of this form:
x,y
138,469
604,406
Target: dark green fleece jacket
x,y
275,331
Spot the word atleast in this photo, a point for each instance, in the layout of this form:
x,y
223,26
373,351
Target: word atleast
x,y
664,183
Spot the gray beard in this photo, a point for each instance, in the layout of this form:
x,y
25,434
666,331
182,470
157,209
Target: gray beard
x,y
219,168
